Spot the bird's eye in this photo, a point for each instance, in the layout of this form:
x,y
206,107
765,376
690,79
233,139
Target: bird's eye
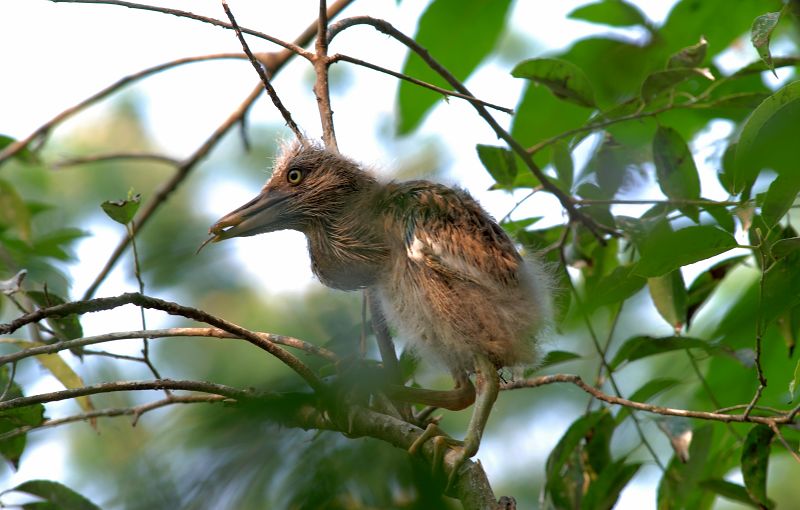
x,y
294,176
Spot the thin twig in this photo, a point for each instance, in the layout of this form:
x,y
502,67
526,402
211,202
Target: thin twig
x,y
104,158
601,352
99,304
293,47
259,67
117,386
762,381
567,202
165,333
321,84
650,408
42,131
784,442
275,64
449,93
136,412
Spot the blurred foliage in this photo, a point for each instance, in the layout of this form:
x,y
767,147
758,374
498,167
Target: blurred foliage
x,y
671,312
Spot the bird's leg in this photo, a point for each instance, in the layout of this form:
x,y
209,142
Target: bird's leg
x,y
461,397
488,385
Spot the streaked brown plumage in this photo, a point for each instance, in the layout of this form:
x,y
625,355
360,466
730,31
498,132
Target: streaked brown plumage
x,y
448,277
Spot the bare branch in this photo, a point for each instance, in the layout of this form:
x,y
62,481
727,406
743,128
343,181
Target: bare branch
x,y
275,63
164,333
104,158
42,131
99,304
293,47
449,93
321,86
567,202
259,67
666,411
136,412
116,386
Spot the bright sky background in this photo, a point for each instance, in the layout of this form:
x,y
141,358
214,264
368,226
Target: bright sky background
x,y
62,53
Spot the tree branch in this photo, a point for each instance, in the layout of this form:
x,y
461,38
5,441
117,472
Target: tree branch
x,y
274,64
783,419
566,200
321,85
259,67
449,93
164,333
99,304
296,48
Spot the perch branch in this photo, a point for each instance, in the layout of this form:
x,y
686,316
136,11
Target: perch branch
x,y
104,158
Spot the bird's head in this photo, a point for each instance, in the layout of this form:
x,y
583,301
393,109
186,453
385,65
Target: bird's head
x,y
309,187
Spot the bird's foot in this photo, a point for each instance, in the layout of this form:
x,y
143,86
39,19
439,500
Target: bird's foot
x,y
441,443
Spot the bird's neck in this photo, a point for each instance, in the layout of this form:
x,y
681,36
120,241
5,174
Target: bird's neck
x,y
347,246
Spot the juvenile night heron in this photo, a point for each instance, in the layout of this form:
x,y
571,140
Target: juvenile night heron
x,y
446,275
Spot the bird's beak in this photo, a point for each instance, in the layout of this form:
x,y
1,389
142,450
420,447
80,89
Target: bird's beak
x,y
265,213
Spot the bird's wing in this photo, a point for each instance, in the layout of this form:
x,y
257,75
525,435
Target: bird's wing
x,y
446,230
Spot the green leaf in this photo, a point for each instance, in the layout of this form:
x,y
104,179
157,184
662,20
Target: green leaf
x,y
54,244
615,287
565,468
779,197
540,115
768,138
675,168
556,357
691,56
755,458
727,175
663,81
122,211
665,250
473,29
728,490
23,156
499,162
781,282
785,247
66,328
647,391
566,80
14,213
60,495
640,347
604,492
64,373
610,164
679,484
615,13
563,165
12,448
795,379
760,34
670,298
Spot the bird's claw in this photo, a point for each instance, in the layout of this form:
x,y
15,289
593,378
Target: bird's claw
x,y
441,443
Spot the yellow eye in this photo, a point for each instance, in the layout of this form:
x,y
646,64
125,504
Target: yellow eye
x,y
294,176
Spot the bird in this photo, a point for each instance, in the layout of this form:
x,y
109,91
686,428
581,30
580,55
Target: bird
x,y
446,276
